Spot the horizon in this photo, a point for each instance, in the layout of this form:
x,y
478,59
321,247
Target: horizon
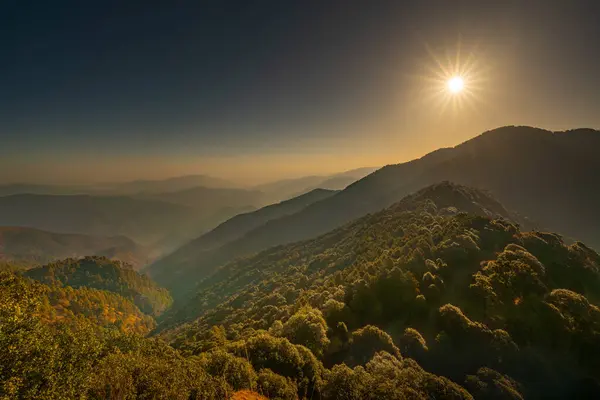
x,y
96,93
251,183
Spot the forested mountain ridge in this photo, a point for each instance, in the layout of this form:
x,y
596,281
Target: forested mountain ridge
x,y
66,304
445,198
29,246
195,265
531,171
104,274
473,298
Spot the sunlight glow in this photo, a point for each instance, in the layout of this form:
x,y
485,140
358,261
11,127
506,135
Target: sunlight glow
x,y
456,84
453,79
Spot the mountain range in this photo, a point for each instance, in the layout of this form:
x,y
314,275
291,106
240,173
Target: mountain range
x,y
31,247
289,188
458,275
533,172
444,199
145,221
445,278
119,188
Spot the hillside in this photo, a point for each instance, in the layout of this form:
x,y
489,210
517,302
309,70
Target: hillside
x,y
65,305
445,198
468,296
183,269
103,308
531,171
239,225
28,246
104,274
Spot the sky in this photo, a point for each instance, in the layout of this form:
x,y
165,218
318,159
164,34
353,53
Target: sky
x,y
252,91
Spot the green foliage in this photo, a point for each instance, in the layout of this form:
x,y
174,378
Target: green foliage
x,y
387,377
413,345
236,371
104,274
103,308
367,341
283,358
276,387
492,385
37,361
308,328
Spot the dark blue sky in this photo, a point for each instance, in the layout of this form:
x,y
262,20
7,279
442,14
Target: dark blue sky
x,y
94,90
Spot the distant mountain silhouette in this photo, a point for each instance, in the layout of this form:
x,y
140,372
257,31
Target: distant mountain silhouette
x,y
239,225
548,177
210,199
170,184
289,188
28,246
163,220
27,188
119,188
145,221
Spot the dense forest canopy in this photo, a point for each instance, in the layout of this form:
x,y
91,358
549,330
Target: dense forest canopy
x,y
104,274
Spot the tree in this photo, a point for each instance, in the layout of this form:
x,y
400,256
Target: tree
x,y
308,328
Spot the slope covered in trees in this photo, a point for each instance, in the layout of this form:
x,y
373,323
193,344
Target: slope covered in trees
x,y
79,359
182,270
531,171
28,246
104,274
68,305
420,300
470,297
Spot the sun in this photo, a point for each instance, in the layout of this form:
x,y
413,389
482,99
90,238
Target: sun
x,y
456,84
453,79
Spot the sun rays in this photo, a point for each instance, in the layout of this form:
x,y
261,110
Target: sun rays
x,y
453,79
